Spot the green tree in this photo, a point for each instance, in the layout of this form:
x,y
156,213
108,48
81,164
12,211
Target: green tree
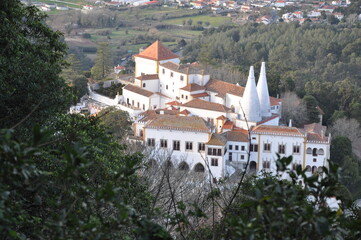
x,y
74,76
31,58
116,122
311,107
103,62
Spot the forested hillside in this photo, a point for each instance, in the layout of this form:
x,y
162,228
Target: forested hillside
x,y
319,60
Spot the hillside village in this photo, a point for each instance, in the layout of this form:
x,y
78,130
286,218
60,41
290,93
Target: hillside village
x,y
259,11
208,125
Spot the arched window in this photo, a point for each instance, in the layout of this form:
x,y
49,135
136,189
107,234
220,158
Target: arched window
x,y
183,166
309,151
253,166
320,151
199,167
314,169
308,168
314,152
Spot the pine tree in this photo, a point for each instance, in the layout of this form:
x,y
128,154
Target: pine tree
x,y
103,62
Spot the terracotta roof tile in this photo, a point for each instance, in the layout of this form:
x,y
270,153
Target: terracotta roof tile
x,y
175,103
277,130
222,88
315,128
228,125
148,77
275,101
192,87
198,95
222,117
217,140
157,52
202,104
185,112
138,90
181,123
236,136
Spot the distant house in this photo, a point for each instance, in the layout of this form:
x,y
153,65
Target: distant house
x,y
280,3
264,19
62,8
327,8
118,69
298,14
314,14
246,8
338,15
88,7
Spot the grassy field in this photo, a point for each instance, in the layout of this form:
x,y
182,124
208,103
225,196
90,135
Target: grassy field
x,y
214,21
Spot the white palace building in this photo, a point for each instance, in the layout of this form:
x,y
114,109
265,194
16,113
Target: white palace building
x,y
209,125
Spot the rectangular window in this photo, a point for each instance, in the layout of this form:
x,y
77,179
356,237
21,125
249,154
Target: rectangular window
x,y
201,147
186,96
281,149
163,143
176,145
171,74
214,151
166,87
254,147
151,142
163,71
143,84
242,157
181,78
236,147
296,149
214,162
143,106
189,146
182,96
230,156
230,147
242,148
267,147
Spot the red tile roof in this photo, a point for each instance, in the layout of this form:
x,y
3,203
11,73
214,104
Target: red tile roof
x,y
202,104
138,90
217,140
236,136
222,88
185,112
198,95
175,103
275,101
228,125
157,52
222,117
192,87
277,130
180,123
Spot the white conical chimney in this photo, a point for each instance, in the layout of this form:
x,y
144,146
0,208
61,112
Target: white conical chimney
x,y
290,123
250,101
263,95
